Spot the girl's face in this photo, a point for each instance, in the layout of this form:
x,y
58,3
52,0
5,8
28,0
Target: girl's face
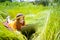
x,y
21,19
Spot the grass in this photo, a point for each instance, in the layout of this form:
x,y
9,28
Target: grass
x,y
6,34
43,20
52,29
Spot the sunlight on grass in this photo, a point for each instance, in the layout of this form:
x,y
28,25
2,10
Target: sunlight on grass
x,y
44,20
51,30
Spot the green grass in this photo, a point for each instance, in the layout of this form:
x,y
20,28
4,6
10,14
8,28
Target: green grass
x,y
43,20
6,34
52,29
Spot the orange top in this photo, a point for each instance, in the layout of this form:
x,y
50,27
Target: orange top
x,y
12,25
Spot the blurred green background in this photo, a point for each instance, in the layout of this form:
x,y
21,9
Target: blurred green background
x,y
41,16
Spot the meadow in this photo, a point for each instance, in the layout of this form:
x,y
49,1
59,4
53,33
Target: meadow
x,y
44,20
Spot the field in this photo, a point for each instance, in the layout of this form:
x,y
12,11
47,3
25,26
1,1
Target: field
x,y
44,20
